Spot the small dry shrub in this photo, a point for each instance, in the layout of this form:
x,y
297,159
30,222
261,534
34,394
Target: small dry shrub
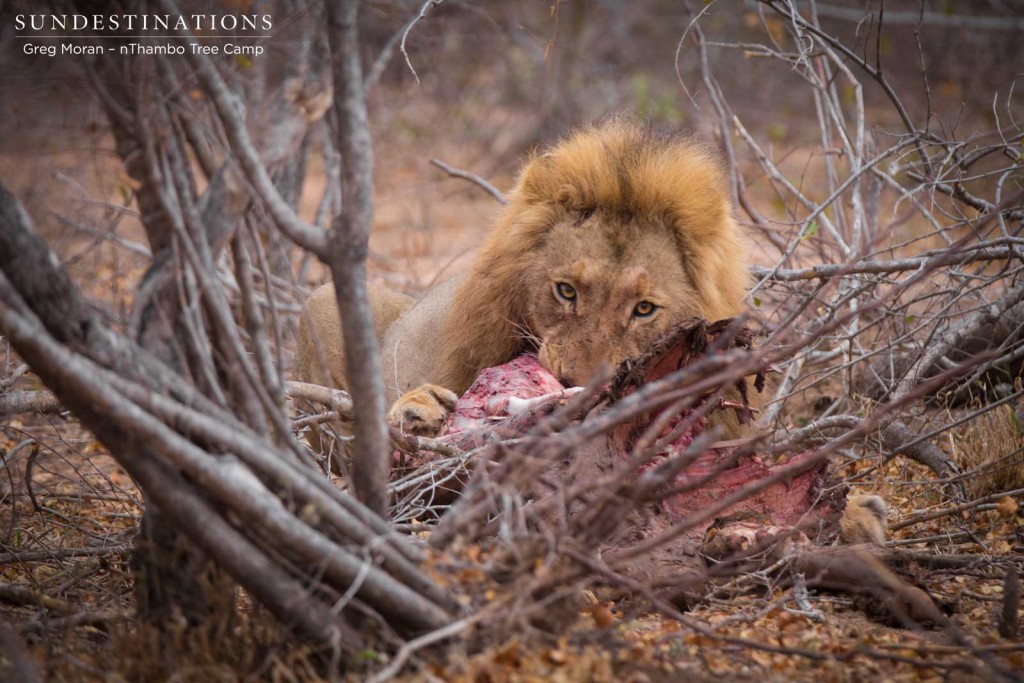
x,y
991,452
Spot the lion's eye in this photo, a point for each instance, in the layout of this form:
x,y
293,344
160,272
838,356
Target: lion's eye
x,y
644,309
566,291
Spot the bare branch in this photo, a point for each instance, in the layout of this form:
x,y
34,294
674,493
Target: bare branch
x,y
15,403
231,111
427,6
347,248
473,178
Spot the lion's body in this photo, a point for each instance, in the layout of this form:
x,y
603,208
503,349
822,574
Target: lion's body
x,y
319,354
410,350
609,239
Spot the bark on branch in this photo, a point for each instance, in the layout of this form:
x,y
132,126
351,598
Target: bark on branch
x,y
18,402
157,437
345,254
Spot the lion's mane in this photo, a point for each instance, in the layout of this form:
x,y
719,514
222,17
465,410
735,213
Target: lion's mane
x,y
620,168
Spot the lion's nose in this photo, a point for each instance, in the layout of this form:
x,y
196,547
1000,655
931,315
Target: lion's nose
x,y
579,377
583,374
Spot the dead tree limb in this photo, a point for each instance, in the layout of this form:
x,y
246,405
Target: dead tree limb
x,y
24,595
857,570
345,253
986,315
18,402
138,421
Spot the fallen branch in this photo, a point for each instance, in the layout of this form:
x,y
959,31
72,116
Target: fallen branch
x,y
859,570
22,595
61,554
953,510
96,619
338,400
18,402
896,437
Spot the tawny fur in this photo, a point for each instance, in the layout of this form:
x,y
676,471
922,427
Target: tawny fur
x,y
617,212
417,414
865,520
615,183
623,215
319,354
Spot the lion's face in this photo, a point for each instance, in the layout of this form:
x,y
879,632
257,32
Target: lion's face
x,y
608,239
601,289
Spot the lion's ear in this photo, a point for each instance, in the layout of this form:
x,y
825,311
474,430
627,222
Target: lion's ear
x,y
570,197
535,179
544,181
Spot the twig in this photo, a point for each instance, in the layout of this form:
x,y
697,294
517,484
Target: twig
x,y
69,621
427,6
825,271
410,648
14,376
945,512
338,400
1009,619
471,177
25,596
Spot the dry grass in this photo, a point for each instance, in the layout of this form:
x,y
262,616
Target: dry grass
x,y
991,451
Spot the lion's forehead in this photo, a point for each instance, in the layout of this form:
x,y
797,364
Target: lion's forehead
x,y
619,261
624,279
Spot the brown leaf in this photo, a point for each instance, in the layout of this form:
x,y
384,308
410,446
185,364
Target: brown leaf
x,y
603,616
1007,506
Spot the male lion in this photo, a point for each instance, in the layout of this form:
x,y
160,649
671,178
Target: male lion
x,y
610,238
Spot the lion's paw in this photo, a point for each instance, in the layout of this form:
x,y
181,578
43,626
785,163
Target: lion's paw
x,y
423,410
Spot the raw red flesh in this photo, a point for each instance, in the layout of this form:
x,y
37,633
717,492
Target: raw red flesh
x,y
487,400
484,408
